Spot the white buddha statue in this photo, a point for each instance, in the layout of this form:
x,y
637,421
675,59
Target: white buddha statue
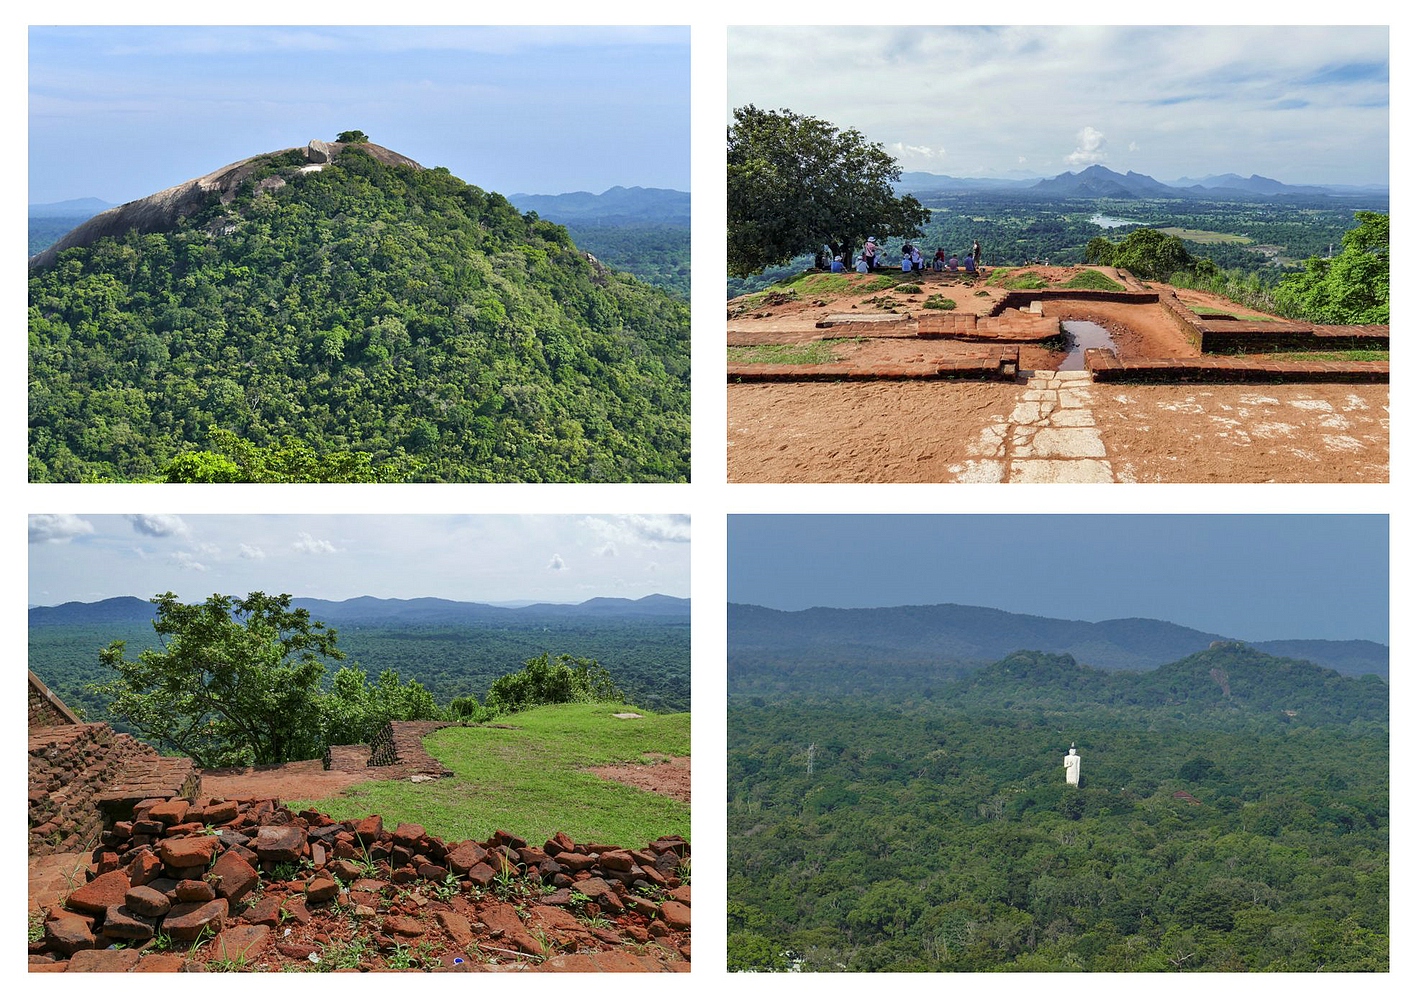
x,y
1071,766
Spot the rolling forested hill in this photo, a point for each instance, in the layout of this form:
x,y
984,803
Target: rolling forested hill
x,y
848,649
361,319
1232,815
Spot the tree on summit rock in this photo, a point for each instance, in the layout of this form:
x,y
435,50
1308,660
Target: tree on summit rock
x,y
798,182
354,135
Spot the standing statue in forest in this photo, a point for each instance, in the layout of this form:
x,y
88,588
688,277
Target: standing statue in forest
x,y
1071,766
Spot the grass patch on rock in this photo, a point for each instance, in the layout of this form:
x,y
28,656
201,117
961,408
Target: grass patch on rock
x,y
1093,279
817,352
529,780
1355,355
1232,313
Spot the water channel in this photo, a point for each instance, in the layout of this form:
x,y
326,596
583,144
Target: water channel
x,y
1082,335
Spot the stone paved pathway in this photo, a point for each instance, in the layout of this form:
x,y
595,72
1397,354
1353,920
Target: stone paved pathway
x,y
1050,437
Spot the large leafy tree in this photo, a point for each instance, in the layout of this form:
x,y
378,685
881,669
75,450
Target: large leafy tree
x,y
236,681
1350,288
798,182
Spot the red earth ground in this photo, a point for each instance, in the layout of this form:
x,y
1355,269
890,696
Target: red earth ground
x,y
930,431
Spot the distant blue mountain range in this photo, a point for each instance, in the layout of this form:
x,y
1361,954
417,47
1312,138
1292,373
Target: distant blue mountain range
x,y
1100,182
617,206
380,611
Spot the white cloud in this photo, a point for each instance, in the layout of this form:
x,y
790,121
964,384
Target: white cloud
x,y
641,529
1133,147
902,150
1093,148
311,545
609,551
158,525
556,565
57,527
251,552
188,561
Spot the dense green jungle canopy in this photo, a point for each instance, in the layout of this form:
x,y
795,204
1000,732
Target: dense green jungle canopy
x,y
1232,815
364,322
650,660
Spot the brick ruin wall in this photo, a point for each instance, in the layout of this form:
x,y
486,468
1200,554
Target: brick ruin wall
x,y
70,768
46,708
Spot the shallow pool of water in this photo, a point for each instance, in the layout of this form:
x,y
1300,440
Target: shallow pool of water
x,y
1109,222
1082,335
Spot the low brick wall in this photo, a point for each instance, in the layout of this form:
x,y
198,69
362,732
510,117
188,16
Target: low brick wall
x,y
999,364
400,746
73,769
1230,336
1105,366
1022,299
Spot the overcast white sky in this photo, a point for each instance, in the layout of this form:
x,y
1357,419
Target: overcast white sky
x,y
558,558
1304,105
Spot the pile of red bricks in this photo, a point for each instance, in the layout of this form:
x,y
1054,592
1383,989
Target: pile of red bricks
x,y
77,773
248,882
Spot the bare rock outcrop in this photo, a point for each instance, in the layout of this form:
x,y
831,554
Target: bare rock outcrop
x,y
160,211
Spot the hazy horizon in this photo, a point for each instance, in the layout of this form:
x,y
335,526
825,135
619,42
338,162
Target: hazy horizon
x,y
1253,577
482,558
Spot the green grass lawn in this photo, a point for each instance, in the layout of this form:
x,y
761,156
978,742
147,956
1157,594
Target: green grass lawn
x,y
528,780
818,352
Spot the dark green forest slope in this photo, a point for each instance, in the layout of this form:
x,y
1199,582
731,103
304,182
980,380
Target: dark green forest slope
x,y
364,321
1233,815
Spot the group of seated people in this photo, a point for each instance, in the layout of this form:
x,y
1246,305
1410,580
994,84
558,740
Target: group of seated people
x,y
912,260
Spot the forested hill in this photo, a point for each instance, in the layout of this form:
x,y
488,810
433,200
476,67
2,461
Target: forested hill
x,y
835,648
1228,680
360,320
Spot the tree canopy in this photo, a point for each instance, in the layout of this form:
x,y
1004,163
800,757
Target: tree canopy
x,y
797,182
240,682
548,681
235,681
1352,287
1148,253
354,135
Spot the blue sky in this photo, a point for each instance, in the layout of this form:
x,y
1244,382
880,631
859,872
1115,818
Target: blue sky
x,y
1303,105
1255,577
557,558
118,113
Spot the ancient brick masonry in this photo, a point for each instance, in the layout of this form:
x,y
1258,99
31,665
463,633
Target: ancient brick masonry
x,y
74,773
249,882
